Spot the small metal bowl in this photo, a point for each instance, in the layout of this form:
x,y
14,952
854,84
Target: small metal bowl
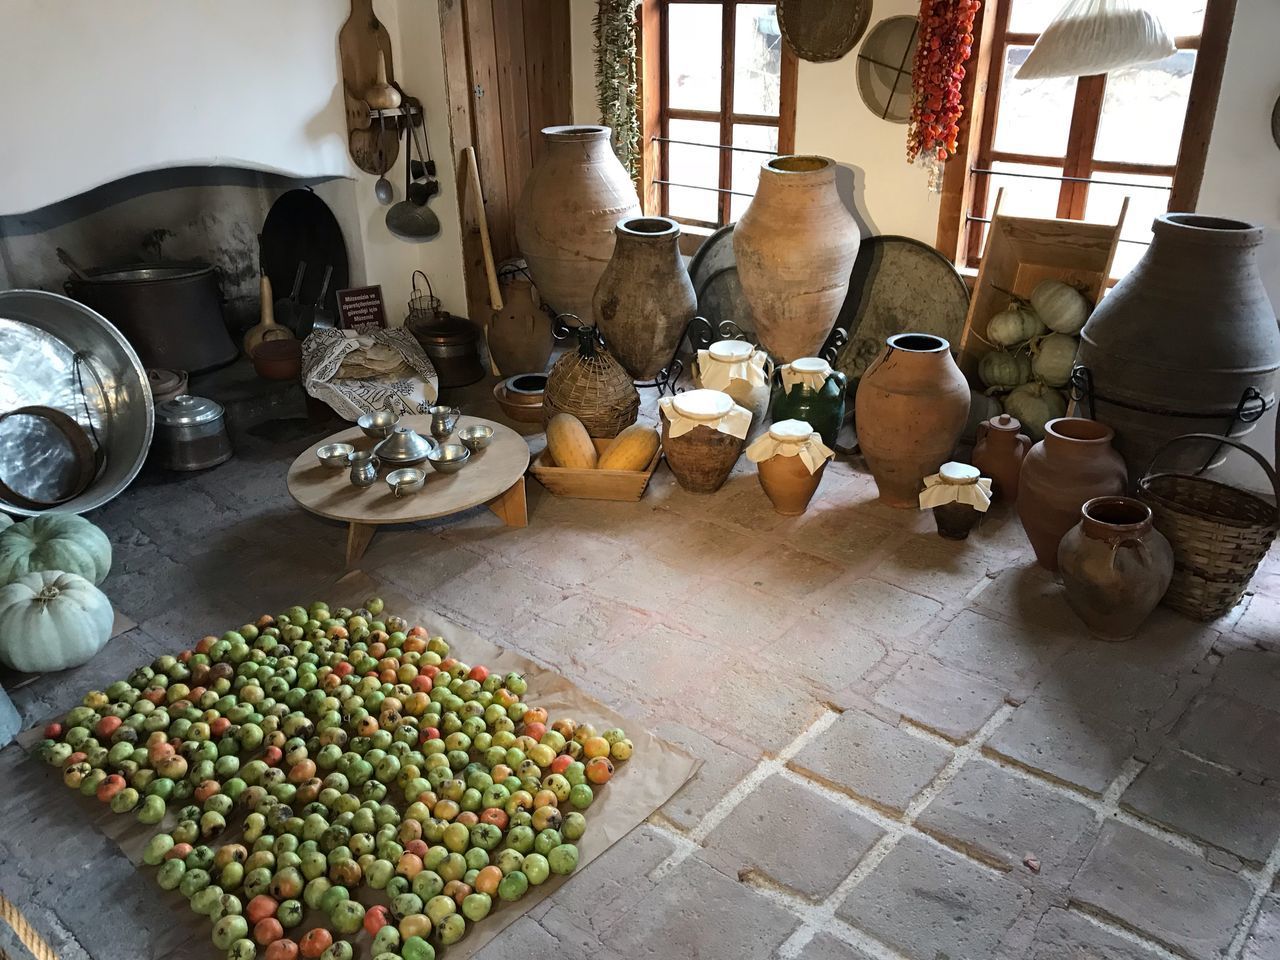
x,y
378,425
476,437
449,458
335,455
406,480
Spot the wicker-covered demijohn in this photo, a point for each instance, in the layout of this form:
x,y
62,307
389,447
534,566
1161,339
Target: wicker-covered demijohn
x,y
593,386
1218,532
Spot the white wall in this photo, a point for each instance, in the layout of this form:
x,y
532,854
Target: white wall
x,y
582,56
97,91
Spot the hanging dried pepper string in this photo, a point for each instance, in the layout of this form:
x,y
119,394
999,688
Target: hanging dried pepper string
x,y
945,42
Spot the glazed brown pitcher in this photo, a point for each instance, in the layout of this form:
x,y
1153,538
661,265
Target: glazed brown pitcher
x,y
999,453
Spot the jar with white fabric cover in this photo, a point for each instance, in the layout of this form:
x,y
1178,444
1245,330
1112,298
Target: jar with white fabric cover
x,y
958,495
811,391
702,436
743,372
790,460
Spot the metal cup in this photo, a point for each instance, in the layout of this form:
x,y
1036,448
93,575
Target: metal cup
x,y
364,468
443,420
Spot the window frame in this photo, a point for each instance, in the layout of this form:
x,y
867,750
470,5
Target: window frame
x,y
965,207
656,115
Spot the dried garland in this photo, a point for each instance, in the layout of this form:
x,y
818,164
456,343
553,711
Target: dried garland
x,y
945,42
616,78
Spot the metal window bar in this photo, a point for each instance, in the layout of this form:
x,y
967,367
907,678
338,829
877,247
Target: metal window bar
x,y
694,186
716,146
1061,179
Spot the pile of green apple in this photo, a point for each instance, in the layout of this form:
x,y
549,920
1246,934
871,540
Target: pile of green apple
x,y
348,750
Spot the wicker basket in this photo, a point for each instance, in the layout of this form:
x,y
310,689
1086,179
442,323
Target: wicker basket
x,y
592,386
1219,533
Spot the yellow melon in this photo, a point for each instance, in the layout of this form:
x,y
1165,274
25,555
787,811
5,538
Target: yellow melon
x,y
632,449
569,443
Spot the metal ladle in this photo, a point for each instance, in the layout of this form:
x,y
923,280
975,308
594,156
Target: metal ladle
x,y
382,189
408,220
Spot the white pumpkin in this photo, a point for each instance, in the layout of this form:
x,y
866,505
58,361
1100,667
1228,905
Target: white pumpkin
x,y
1016,324
56,541
1061,307
1054,359
51,621
5,521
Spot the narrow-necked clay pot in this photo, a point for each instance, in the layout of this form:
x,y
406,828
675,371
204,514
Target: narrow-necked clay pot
x,y
519,335
911,405
1074,463
1115,566
788,483
999,453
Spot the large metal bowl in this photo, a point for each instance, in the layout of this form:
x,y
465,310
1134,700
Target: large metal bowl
x,y
41,335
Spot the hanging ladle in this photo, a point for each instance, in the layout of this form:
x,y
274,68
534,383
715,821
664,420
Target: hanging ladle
x,y
383,189
408,220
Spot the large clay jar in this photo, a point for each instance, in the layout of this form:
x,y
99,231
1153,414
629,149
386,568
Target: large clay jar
x,y
795,246
911,406
811,391
1074,463
1115,566
705,443
998,454
1181,341
574,197
519,334
644,299
743,372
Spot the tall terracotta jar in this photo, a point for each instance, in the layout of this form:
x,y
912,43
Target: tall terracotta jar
x,y
644,299
1115,566
1074,463
790,460
1182,339
795,247
910,408
702,436
519,335
574,197
998,454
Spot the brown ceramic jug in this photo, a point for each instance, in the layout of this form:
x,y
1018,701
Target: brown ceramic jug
x,y
1115,566
998,454
912,404
783,461
519,335
1074,463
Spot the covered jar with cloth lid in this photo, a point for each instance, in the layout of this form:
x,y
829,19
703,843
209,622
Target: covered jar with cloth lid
x,y
811,391
958,495
789,460
742,371
702,435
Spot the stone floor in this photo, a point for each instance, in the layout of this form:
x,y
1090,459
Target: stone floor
x,y
912,750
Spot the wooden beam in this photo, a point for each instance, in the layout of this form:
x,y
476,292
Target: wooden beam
x,y
486,123
1202,104
787,90
650,75
513,94
1083,135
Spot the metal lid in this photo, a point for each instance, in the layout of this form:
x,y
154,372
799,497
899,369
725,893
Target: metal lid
x,y
405,445
731,351
791,431
149,273
451,331
702,404
186,410
959,474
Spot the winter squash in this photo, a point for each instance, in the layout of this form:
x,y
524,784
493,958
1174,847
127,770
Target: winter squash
x,y
54,542
1004,370
1061,307
1053,357
569,442
632,449
6,521
51,621
1016,324
1034,405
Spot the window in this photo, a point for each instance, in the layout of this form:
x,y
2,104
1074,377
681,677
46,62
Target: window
x,y
726,102
1075,148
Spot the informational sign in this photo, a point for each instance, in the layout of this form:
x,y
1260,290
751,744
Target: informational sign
x,y
361,309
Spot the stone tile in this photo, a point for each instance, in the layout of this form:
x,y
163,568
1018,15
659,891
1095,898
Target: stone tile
x,y
882,608
419,560
693,545
495,596
1092,676
527,938
793,835
1263,942
1204,801
699,912
1066,935
1261,620
722,769
737,616
1000,818
1167,642
578,629
645,583
776,568
1235,733
926,901
826,947
657,658
1065,743
843,533
1250,675
1028,596
1173,897
946,570
567,557
832,655
1014,656
735,697
871,760
949,702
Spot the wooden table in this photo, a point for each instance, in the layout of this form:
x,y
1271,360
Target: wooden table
x,y
493,476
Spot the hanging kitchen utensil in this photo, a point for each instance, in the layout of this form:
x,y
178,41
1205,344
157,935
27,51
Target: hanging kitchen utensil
x,y
288,310
819,30
382,189
407,220
315,317
69,262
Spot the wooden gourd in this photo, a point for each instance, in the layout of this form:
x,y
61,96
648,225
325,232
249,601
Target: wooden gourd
x,y
632,449
266,328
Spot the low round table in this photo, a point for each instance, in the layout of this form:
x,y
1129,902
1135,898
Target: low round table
x,y
493,476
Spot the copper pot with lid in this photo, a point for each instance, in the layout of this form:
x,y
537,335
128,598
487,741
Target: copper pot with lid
x,y
190,434
452,344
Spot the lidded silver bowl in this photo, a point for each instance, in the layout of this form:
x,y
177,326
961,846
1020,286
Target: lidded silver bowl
x,y
405,446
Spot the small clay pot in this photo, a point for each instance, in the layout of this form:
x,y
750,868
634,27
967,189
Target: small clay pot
x,y
955,520
278,359
1115,566
999,453
788,483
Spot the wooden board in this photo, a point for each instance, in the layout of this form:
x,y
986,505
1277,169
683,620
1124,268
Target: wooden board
x,y
1022,251
627,485
360,40
486,124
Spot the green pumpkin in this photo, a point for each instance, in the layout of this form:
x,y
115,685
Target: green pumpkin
x,y
57,541
5,521
51,621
